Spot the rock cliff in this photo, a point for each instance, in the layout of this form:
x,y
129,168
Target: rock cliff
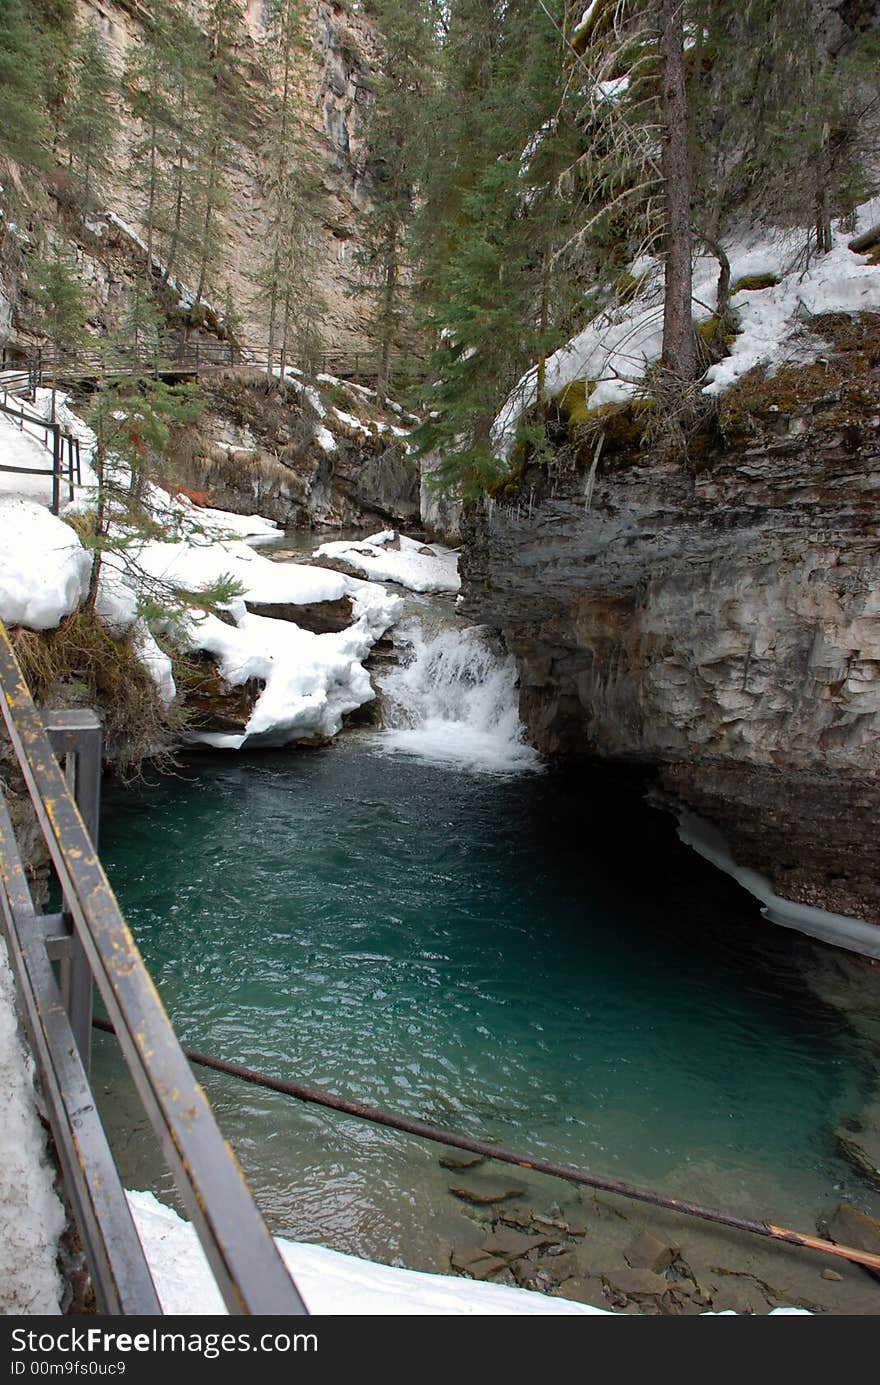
x,y
720,620
334,90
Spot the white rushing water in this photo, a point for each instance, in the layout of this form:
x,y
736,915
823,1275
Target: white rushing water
x,y
453,700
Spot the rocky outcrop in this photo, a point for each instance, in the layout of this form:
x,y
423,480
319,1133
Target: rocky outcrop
x,y
717,620
259,451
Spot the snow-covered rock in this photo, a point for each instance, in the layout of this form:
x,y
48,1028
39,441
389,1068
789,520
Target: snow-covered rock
x,y
392,557
311,681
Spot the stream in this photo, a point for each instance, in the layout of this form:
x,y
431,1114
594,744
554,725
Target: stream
x,y
428,917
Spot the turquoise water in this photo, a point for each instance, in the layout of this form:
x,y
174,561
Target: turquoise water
x,y
534,959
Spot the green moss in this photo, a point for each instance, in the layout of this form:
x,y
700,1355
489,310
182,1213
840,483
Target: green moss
x,y
627,286
714,336
751,283
623,426
572,403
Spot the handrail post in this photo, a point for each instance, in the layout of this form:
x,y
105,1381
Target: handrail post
x,y
76,735
56,468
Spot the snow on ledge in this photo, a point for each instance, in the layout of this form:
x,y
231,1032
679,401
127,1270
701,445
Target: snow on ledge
x,y
616,347
840,930
389,557
334,1284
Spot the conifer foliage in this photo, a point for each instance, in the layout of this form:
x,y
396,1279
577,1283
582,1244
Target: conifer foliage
x,y
91,122
24,129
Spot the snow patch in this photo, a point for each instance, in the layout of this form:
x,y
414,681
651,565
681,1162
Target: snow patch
x,y
389,557
44,569
31,1216
334,1284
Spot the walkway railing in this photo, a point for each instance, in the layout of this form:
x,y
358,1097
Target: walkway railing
x,y
91,941
193,359
60,441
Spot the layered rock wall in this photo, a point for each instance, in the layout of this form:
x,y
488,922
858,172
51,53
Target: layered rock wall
x,y
720,623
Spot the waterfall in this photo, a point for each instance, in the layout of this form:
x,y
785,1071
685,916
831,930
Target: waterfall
x,y
453,700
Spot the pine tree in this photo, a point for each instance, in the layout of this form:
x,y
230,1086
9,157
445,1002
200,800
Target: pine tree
x,y
288,275
221,102
134,419
782,128
492,303
394,157
155,83
24,130
62,313
91,121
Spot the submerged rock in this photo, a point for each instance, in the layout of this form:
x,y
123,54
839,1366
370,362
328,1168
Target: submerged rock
x,y
649,1253
456,1162
849,1226
486,1192
512,1244
859,1142
636,1284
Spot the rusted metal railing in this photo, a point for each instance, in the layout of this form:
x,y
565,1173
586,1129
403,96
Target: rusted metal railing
x,y
91,941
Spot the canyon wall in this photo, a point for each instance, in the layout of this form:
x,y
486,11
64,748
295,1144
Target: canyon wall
x,y
719,620
333,90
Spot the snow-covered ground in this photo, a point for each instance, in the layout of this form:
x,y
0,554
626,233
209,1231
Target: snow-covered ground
x,y
392,557
31,1216
612,353
310,681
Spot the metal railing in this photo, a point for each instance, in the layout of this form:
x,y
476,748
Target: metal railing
x,y
60,442
90,941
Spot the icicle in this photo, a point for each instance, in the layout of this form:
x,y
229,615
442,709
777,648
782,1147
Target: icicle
x,y
591,479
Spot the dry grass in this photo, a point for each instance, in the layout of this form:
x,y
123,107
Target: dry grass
x,y
80,665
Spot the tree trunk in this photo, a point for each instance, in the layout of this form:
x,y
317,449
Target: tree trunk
x,y
206,225
282,364
823,211
678,333
388,300
280,190
178,217
151,197
542,324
